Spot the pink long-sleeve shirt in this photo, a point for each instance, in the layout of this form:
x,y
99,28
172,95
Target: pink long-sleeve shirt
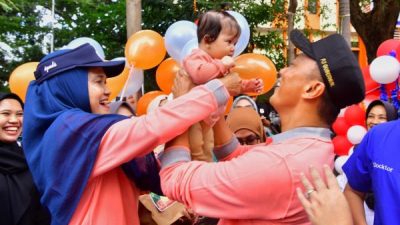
x,y
253,184
201,68
110,197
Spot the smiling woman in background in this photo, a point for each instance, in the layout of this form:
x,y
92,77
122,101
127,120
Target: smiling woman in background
x,y
18,195
379,112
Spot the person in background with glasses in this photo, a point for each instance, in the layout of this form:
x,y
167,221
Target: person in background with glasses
x,y
246,124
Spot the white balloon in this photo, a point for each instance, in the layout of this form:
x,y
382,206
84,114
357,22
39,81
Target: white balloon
x,y
339,162
177,35
135,81
355,134
384,69
83,40
187,49
244,37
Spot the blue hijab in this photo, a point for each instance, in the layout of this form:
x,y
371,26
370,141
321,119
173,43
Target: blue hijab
x,y
61,138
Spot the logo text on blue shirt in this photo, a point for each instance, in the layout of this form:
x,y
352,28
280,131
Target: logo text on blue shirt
x,y
382,167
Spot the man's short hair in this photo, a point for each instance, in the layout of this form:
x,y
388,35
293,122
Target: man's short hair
x,y
327,110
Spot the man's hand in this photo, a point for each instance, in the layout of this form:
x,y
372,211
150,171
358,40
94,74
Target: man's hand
x,y
182,84
233,83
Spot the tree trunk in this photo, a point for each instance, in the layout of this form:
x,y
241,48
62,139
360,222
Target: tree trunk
x,y
133,16
290,17
133,24
344,23
375,26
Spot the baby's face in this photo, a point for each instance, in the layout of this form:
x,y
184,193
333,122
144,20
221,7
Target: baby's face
x,y
224,45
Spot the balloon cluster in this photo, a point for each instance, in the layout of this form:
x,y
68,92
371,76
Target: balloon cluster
x,y
381,82
350,130
181,39
381,76
146,49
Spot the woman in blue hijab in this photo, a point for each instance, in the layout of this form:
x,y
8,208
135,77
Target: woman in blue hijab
x,y
75,149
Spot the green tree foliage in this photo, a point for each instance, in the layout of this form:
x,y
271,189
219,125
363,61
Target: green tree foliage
x,y
23,30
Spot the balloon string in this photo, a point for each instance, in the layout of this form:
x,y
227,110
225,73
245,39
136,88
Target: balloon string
x,y
372,90
126,82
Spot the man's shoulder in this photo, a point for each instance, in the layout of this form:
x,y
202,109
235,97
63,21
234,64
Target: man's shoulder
x,y
385,132
303,145
391,126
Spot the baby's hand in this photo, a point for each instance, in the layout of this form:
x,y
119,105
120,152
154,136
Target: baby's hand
x,y
228,62
252,85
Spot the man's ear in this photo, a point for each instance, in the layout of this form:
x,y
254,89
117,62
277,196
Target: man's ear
x,y
313,89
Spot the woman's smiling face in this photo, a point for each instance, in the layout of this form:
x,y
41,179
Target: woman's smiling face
x,y
11,117
99,93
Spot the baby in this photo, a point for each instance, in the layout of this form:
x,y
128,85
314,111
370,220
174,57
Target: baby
x,y
217,33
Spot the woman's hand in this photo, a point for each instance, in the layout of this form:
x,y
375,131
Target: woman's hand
x,y
233,83
182,84
325,204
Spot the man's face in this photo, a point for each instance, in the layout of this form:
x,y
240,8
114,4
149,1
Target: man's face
x,y
291,83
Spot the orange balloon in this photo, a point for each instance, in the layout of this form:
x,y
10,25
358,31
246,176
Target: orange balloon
x,y
145,100
21,77
229,105
115,84
145,49
165,74
251,65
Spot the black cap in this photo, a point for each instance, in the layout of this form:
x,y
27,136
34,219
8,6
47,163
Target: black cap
x,y
338,67
82,56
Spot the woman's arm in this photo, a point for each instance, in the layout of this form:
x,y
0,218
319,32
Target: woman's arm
x,y
138,136
356,202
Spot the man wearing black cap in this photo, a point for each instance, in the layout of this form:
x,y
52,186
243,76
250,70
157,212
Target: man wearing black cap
x,y
257,184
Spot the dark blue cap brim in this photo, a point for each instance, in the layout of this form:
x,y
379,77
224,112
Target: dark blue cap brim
x,y
83,56
111,68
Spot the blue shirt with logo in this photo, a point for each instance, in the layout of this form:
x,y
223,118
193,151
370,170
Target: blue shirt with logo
x,y
375,167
